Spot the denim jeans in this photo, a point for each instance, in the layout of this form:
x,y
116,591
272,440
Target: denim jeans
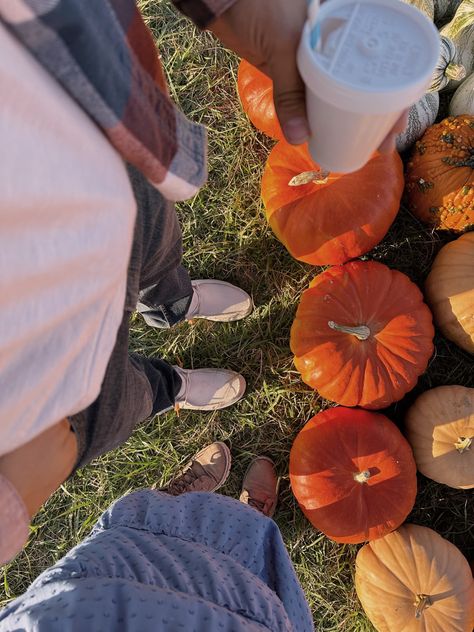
x,y
136,387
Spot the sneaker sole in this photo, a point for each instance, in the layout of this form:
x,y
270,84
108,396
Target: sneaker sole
x,y
223,318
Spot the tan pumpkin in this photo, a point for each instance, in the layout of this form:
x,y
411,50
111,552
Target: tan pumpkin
x,y
450,291
440,429
413,580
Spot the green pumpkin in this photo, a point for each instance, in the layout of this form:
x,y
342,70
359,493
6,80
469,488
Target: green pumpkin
x,y
461,31
420,117
446,68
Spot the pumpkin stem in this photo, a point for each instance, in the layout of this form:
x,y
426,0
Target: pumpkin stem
x,y
361,333
421,603
307,177
463,444
455,71
362,477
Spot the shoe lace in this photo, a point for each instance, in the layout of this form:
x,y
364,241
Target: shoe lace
x,y
191,480
263,506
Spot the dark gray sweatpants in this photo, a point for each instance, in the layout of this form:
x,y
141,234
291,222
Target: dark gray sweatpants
x,y
136,387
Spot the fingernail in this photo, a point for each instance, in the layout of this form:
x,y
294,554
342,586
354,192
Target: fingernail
x,y
296,131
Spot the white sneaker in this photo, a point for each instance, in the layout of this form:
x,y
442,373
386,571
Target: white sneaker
x,y
219,301
209,389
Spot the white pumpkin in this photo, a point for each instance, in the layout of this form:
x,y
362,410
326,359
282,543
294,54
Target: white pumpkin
x,y
463,99
461,31
420,117
446,68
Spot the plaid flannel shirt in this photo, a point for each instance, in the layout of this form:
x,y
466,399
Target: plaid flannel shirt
x,y
104,56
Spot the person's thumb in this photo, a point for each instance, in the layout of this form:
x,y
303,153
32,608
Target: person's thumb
x,y
289,98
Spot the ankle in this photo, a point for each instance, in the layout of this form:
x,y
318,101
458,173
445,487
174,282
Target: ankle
x,y
193,305
182,381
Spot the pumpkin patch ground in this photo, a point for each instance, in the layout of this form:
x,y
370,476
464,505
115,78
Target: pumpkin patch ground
x,y
226,236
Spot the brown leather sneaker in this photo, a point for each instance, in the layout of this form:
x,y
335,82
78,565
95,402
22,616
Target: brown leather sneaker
x,y
260,486
207,471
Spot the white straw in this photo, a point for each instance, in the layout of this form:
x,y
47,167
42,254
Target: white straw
x,y
313,9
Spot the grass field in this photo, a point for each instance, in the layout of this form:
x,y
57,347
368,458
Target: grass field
x,y
226,237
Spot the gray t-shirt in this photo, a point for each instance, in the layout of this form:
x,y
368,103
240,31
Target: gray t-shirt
x,y
66,225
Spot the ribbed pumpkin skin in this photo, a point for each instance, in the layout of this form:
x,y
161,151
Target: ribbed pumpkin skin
x,y
256,95
334,446
450,291
425,6
435,424
461,31
370,373
420,116
445,9
446,67
337,217
462,101
440,175
412,561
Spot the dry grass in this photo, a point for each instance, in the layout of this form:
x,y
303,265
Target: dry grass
x,y
226,237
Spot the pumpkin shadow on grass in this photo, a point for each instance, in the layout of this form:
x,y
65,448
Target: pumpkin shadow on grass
x,y
449,365
446,510
410,246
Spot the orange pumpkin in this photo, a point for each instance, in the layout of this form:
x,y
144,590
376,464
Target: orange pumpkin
x,y
328,218
362,334
440,175
450,291
440,429
353,474
256,95
416,581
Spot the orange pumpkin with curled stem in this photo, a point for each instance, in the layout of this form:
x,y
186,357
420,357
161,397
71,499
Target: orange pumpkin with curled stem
x,y
440,175
362,334
353,474
416,581
256,95
328,218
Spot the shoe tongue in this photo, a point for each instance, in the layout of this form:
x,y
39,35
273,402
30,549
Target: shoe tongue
x,y
198,470
198,475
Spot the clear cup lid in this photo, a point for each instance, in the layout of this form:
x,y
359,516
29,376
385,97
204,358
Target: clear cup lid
x,y
373,46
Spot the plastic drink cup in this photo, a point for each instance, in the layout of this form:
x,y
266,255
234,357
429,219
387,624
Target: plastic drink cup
x,y
363,63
